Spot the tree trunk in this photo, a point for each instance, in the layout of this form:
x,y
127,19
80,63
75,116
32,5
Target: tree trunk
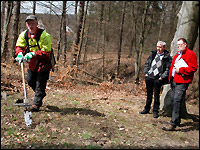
x,y
16,13
141,43
2,17
64,31
77,39
172,17
162,19
82,35
187,27
108,20
76,5
134,31
103,51
50,18
85,49
120,37
100,26
60,35
4,47
132,38
34,7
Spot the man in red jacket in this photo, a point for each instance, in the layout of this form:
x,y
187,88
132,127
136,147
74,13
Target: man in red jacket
x,y
180,76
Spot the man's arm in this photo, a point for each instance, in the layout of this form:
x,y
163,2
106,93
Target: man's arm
x,y
166,72
192,65
147,64
21,44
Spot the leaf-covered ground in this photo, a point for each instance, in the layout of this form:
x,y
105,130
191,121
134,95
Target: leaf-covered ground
x,y
77,115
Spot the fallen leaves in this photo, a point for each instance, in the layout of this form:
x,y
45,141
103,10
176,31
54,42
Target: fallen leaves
x,y
76,118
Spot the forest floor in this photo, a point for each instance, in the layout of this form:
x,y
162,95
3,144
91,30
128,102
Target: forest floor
x,y
80,115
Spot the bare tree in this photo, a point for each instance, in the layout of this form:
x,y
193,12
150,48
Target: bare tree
x,y
141,43
63,19
4,47
2,16
187,27
108,20
100,26
64,30
120,37
86,48
134,33
34,7
175,6
77,38
16,13
162,18
76,5
82,35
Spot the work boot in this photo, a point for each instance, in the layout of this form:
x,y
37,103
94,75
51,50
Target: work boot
x,y
168,127
34,108
144,112
155,114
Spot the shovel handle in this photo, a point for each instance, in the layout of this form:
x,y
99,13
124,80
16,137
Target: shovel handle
x,y
23,81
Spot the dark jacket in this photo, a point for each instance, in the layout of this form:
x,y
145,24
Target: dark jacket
x,y
166,63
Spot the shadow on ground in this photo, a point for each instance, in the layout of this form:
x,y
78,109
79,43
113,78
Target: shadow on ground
x,y
187,126
81,111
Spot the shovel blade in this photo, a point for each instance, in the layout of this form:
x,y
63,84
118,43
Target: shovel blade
x,y
28,117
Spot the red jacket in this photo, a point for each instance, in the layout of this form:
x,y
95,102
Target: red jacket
x,y
185,74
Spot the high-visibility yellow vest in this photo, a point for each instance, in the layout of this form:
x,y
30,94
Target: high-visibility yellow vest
x,y
44,42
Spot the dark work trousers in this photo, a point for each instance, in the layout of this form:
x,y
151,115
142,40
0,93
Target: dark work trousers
x,y
37,81
178,94
153,84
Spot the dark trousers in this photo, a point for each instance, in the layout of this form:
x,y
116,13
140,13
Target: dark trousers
x,y
153,84
37,81
178,94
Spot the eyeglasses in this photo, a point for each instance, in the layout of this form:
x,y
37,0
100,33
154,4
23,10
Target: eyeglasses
x,y
180,44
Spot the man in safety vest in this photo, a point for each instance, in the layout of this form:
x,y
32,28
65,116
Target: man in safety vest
x,y
38,58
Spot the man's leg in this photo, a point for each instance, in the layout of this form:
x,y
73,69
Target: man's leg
x,y
171,126
179,91
157,87
39,93
41,82
149,87
31,79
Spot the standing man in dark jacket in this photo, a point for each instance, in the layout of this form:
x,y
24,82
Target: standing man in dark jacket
x,y
156,72
38,58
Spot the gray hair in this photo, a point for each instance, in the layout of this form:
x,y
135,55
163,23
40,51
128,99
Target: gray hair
x,y
162,43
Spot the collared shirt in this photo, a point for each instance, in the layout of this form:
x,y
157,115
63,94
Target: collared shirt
x,y
32,35
177,59
160,54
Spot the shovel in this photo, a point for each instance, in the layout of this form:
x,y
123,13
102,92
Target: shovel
x,y
26,104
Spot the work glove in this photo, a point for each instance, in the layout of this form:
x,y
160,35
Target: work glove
x,y
19,57
29,55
